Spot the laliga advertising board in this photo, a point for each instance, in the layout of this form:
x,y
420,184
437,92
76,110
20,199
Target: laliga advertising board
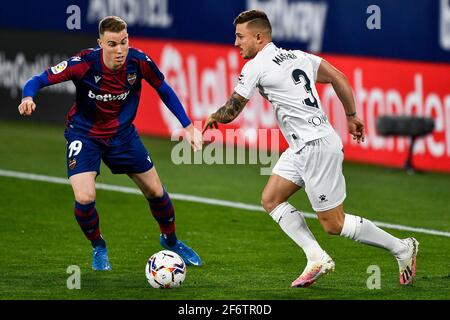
x,y
204,75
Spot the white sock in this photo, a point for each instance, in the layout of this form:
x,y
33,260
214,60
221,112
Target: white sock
x,y
294,225
365,231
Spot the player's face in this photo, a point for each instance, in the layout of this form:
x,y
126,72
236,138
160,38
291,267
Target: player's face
x,y
245,41
115,48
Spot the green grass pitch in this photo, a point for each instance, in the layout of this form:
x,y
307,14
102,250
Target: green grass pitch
x,y
245,254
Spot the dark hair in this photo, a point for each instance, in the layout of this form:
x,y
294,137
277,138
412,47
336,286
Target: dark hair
x,y
111,23
257,18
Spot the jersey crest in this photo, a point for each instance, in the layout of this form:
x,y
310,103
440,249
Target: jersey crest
x,y
131,78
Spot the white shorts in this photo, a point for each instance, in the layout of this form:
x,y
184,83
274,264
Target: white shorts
x,y
318,168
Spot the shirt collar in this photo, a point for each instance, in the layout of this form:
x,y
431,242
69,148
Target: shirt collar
x,y
268,45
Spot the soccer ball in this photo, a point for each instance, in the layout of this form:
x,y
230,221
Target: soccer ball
x,y
165,269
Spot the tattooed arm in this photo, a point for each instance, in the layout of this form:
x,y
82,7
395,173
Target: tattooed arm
x,y
231,109
228,112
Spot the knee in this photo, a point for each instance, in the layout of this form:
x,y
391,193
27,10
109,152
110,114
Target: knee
x,y
269,203
332,220
85,197
155,191
332,227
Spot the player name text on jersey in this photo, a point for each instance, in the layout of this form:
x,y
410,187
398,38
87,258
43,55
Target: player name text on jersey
x,y
279,58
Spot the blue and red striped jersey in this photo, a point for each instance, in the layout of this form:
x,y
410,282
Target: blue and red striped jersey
x,y
106,100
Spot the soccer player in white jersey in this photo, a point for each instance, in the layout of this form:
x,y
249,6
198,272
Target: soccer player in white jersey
x,y
314,158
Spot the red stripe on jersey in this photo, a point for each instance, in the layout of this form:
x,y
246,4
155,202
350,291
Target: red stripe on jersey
x,y
112,87
71,72
152,78
84,52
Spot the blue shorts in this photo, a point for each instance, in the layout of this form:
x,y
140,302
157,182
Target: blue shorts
x,y
124,154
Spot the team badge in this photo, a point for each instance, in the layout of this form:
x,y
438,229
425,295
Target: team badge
x,y
131,78
60,67
72,163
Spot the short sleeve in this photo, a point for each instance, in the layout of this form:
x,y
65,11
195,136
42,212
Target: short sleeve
x,y
315,61
248,80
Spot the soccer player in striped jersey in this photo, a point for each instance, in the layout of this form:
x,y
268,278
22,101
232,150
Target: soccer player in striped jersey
x,y
314,158
99,126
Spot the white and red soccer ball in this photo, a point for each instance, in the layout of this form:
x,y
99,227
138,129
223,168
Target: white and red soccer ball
x,y
165,269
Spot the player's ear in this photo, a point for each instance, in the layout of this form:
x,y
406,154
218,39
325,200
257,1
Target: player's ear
x,y
258,37
99,41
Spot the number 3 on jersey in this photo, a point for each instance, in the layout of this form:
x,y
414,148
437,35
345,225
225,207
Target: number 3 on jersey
x,y
75,148
300,77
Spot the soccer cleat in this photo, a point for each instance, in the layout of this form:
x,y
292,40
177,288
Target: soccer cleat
x,y
100,260
189,256
407,266
314,270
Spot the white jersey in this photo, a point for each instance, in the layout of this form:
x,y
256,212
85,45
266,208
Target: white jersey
x,y
287,79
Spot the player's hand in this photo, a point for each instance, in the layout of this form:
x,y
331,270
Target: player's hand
x,y
210,123
356,128
194,137
27,106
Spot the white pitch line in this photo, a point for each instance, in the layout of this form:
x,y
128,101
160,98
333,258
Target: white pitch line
x,y
185,197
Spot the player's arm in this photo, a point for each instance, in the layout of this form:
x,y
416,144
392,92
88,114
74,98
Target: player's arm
x,y
172,102
329,74
155,78
228,112
73,68
242,93
30,89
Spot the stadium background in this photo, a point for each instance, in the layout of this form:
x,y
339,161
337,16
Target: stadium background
x,y
401,68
